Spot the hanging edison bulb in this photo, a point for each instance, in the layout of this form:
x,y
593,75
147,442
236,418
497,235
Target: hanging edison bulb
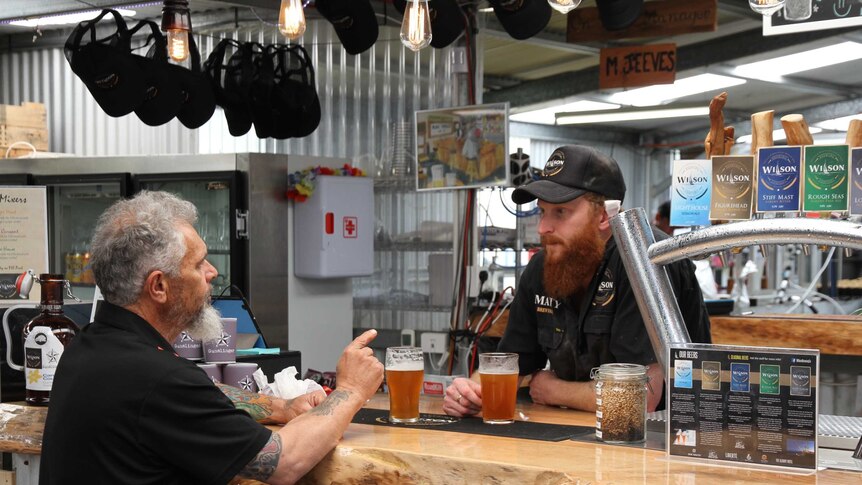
x,y
177,22
291,19
416,26
564,6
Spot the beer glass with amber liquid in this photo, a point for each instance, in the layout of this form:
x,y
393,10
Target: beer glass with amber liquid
x,y
405,369
498,373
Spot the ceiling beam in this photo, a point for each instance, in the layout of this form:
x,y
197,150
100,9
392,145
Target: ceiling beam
x,y
568,133
823,88
547,39
695,56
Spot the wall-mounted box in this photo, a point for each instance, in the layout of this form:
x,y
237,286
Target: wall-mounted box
x,y
334,228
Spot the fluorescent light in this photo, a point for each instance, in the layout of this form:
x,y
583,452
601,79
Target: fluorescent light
x,y
777,135
66,19
649,114
658,94
801,61
548,116
838,124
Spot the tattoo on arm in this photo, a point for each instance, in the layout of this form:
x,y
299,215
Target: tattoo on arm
x,y
258,406
262,466
327,407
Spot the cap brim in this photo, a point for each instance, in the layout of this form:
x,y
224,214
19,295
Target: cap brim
x,y
531,19
545,190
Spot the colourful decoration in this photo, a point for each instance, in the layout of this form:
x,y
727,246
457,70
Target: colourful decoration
x,y
300,185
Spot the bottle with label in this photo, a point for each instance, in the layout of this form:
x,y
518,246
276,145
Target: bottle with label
x,y
45,337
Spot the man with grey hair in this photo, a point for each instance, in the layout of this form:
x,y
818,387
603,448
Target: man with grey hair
x,y
126,409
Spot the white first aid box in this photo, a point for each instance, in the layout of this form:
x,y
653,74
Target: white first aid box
x,y
333,230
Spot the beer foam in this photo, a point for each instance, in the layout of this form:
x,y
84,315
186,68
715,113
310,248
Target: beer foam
x,y
412,365
498,372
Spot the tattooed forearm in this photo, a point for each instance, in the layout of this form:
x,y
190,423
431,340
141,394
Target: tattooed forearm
x,y
327,407
258,406
262,466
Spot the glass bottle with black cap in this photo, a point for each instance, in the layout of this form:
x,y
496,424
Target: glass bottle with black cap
x,y
45,337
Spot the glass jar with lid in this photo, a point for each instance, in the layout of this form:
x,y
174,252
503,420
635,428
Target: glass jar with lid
x,y
621,398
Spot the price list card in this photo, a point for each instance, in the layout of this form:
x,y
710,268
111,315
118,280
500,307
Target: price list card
x,y
748,405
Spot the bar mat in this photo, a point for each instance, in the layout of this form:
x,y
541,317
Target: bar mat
x,y
518,429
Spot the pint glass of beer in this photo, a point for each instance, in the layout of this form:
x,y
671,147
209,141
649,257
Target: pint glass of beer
x,y
405,369
499,375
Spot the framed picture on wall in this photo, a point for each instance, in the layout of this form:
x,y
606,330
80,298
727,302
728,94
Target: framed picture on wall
x,y
462,147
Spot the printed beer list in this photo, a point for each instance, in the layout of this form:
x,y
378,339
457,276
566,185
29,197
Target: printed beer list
x,y
747,405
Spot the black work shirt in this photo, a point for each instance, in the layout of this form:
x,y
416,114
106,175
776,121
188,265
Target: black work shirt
x,y
126,409
602,327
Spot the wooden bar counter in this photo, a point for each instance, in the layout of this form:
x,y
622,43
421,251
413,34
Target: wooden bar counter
x,y
390,455
400,455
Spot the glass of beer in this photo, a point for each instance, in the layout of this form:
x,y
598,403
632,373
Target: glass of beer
x,y
405,368
499,375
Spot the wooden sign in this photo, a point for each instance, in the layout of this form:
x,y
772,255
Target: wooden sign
x,y
643,65
658,19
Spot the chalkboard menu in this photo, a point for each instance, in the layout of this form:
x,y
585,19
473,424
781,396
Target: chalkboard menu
x,y
753,406
809,15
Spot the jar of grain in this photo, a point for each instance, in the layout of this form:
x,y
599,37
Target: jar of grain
x,y
621,396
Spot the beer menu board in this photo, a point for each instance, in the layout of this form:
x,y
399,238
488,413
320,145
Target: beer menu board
x,y
778,174
753,406
826,178
732,178
856,182
23,241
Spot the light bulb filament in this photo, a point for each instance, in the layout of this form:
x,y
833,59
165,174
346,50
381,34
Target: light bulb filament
x,y
416,26
178,44
291,19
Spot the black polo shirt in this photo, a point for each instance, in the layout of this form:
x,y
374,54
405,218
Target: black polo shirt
x,y
125,409
578,335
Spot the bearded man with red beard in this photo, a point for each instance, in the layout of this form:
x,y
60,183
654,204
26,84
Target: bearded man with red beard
x,y
574,306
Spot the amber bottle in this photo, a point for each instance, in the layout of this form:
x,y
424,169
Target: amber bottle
x,y
45,337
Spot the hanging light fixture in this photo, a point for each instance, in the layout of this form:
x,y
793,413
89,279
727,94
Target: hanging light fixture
x,y
766,7
291,19
416,26
564,6
177,22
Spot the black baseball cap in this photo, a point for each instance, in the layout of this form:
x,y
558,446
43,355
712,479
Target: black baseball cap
x,y
105,66
572,171
522,19
354,22
163,98
198,98
619,14
447,21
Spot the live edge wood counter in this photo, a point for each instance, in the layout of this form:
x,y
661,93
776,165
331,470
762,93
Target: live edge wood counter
x,y
389,455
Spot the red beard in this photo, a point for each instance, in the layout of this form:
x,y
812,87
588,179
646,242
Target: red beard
x,y
570,272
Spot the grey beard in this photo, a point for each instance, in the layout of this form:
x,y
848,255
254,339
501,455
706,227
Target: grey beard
x,y
206,325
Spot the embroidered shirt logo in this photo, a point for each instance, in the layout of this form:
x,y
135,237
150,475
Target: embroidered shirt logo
x,y
605,292
546,304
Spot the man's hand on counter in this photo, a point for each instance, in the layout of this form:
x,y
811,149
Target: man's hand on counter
x,y
463,398
300,404
268,409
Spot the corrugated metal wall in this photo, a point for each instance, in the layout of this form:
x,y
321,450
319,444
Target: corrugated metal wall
x,y
361,96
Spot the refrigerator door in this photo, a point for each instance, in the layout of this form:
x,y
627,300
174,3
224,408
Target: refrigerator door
x,y
217,198
75,203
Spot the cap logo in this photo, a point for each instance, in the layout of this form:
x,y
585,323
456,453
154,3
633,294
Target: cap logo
x,y
107,82
511,5
152,92
343,23
554,165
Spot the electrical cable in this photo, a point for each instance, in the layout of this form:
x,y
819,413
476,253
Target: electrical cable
x,y
246,306
814,280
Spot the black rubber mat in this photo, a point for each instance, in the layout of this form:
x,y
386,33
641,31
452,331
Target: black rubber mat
x,y
518,429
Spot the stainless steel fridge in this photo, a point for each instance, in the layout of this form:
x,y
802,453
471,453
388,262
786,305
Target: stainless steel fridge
x,y
242,217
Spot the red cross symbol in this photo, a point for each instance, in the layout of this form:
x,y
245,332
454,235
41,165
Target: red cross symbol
x,y
350,231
